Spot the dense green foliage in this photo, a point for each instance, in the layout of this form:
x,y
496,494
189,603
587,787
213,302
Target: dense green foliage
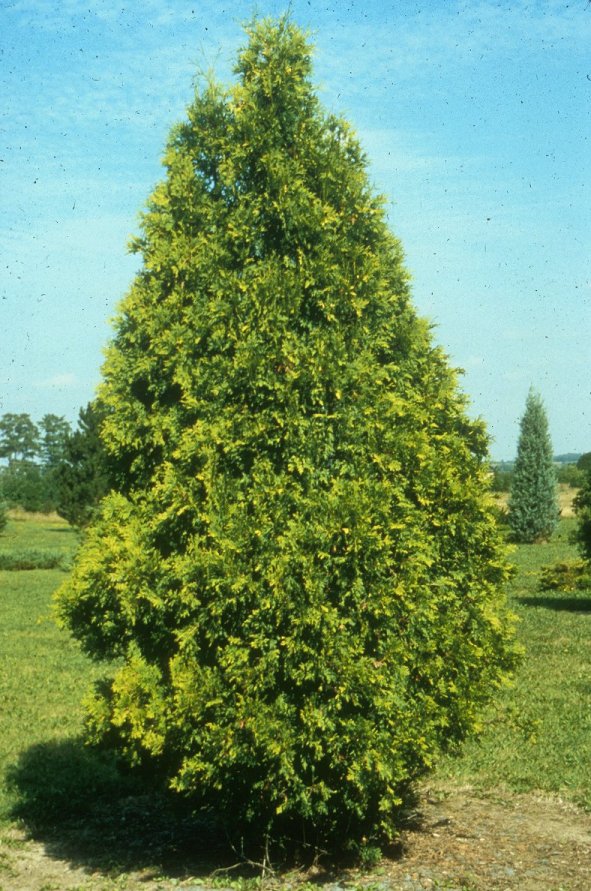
x,y
32,452
533,506
25,486
571,475
299,569
82,475
501,479
583,510
584,462
50,467
19,437
15,561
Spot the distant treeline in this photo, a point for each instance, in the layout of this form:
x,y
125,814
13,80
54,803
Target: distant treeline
x,y
49,466
570,469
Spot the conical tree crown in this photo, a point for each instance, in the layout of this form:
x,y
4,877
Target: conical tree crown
x,y
300,569
533,507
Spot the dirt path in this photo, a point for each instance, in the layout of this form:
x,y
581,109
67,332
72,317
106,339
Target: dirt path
x,y
464,841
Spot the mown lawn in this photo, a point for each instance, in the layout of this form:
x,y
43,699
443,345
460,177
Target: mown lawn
x,y
42,673
537,736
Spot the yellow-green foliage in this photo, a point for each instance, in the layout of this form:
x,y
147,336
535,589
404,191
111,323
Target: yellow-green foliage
x,y
300,569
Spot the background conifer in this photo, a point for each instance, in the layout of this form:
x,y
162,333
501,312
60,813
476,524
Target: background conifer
x,y
533,506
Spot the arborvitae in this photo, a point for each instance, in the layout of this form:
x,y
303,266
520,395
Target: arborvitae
x,y
299,571
533,507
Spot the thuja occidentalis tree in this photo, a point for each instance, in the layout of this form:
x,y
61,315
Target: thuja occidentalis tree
x,y
299,568
533,506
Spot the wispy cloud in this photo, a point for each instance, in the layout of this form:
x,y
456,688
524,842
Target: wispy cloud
x,y
61,381
393,150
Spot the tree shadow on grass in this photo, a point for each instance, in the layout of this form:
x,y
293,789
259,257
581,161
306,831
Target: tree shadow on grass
x,y
88,810
560,604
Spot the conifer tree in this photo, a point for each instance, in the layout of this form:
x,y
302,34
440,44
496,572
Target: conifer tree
x,y
299,569
83,475
533,507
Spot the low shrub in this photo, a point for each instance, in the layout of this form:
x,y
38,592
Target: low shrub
x,y
566,577
13,561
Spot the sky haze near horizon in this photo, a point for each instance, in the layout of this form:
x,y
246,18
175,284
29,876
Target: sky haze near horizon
x,y
475,119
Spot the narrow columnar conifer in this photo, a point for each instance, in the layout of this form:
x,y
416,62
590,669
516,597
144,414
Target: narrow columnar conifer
x,y
533,505
298,571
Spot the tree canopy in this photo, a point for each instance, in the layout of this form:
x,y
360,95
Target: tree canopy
x,y
19,437
83,474
31,452
298,569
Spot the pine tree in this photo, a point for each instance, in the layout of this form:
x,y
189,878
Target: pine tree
x,y
83,475
299,569
533,507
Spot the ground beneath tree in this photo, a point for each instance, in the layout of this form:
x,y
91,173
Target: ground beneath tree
x,y
462,840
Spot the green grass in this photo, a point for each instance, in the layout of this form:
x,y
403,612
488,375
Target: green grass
x,y
77,800
42,673
538,734
38,532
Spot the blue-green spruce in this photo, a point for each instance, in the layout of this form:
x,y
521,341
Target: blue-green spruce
x,y
533,505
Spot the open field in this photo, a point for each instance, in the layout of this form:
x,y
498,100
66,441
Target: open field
x,y
566,496
513,811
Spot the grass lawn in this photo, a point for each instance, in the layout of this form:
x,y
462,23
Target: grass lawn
x,y
537,736
42,673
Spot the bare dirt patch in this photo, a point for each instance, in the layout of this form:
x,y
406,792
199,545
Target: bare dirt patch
x,y
501,841
463,841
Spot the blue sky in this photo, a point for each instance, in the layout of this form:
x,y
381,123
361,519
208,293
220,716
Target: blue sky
x,y
475,117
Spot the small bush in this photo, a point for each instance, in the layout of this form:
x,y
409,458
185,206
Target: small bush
x,y
566,577
13,561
